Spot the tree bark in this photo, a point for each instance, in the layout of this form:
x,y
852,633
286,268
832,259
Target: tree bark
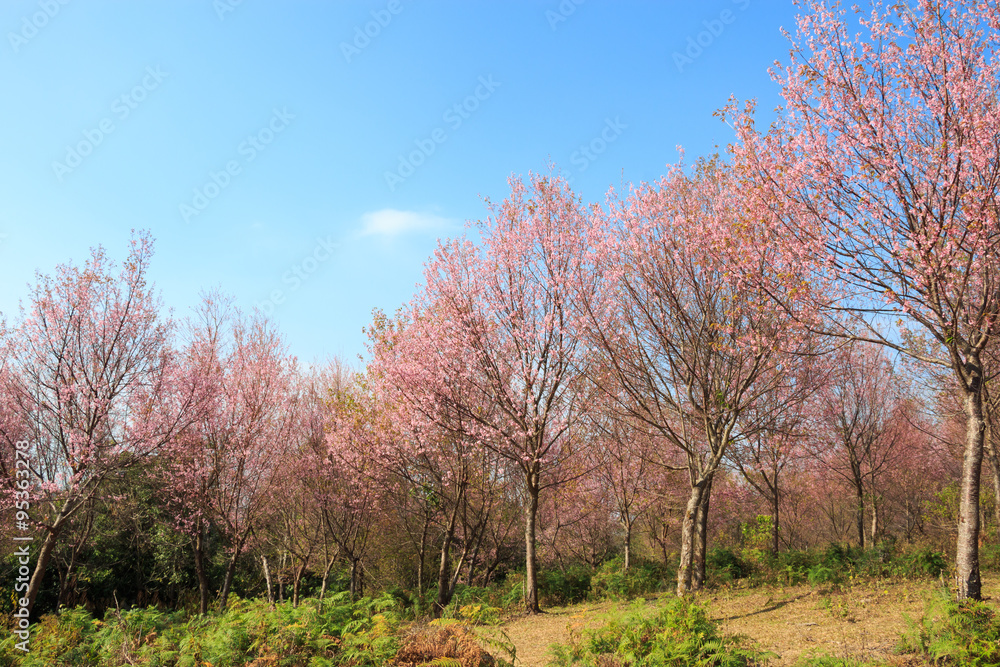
x,y
860,512
228,581
40,566
701,539
267,578
444,566
199,567
628,544
775,523
967,551
684,569
531,574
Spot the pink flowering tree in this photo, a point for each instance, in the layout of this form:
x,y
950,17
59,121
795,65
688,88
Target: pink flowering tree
x,y
495,340
92,383
687,342
884,165
223,468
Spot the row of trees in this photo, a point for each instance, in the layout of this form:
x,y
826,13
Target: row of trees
x,y
735,316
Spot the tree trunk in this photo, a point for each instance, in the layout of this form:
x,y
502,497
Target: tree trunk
x,y
531,574
357,586
228,581
628,544
267,578
775,543
860,512
444,566
326,577
967,551
199,567
297,581
875,527
421,556
684,569
701,539
48,546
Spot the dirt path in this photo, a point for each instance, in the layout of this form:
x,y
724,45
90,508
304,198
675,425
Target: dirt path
x,y
862,621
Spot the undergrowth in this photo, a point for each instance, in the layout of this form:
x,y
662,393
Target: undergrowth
x,y
680,635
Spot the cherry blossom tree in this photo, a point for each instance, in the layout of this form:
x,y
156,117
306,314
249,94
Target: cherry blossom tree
x,y
223,468
93,381
494,342
687,343
885,168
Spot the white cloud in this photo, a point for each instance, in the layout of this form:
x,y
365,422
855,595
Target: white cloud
x,y
390,222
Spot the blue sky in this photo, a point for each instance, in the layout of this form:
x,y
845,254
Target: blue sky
x,y
306,156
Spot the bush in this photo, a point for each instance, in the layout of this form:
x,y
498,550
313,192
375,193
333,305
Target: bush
x,y
328,633
611,581
450,645
950,632
561,587
725,565
681,634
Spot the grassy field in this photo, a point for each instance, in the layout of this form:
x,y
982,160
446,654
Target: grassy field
x,y
861,621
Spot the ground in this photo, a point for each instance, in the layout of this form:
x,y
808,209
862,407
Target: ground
x,y
861,620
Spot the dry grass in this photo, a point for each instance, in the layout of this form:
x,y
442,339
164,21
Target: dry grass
x,y
450,645
862,620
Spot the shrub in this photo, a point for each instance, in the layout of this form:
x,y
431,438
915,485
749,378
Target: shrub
x,y
611,581
447,646
962,633
560,587
681,634
725,565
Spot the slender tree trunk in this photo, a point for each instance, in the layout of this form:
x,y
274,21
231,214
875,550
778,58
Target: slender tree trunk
x,y
326,576
684,569
267,578
421,556
44,556
860,513
875,526
775,522
357,585
701,539
531,574
199,567
628,543
967,551
228,581
444,566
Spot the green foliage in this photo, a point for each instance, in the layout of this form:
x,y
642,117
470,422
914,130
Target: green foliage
x,y
821,574
562,587
726,565
611,581
950,632
681,634
328,633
